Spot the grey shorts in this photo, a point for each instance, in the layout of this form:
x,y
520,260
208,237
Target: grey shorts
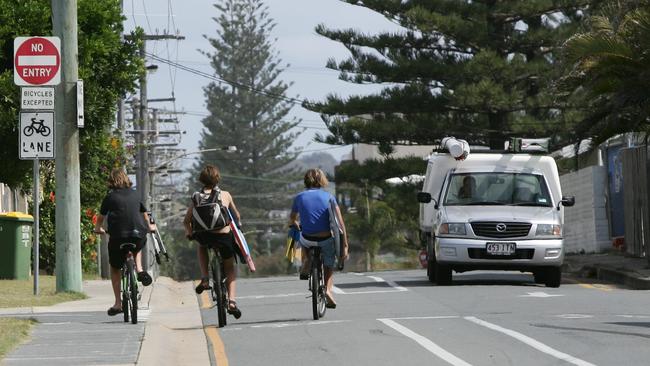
x,y
327,251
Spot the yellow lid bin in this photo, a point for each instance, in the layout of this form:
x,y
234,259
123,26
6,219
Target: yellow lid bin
x,y
15,245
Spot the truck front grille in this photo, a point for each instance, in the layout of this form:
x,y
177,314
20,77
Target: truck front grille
x,y
500,229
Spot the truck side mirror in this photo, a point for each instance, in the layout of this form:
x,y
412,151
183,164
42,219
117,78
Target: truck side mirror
x,y
567,201
424,197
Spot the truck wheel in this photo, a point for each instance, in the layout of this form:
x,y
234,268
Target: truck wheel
x,y
431,271
443,274
553,276
539,276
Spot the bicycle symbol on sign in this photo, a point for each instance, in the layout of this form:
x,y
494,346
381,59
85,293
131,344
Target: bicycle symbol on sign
x,y
38,127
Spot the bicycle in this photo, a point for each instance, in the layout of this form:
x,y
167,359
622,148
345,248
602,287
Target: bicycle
x,y
218,288
37,126
317,283
129,286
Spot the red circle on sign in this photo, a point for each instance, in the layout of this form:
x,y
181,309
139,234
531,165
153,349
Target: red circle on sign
x,y
37,61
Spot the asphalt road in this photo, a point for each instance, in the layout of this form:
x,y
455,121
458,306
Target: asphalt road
x,y
399,318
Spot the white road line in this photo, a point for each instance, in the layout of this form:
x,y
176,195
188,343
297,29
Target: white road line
x,y
531,342
427,317
286,325
426,343
634,316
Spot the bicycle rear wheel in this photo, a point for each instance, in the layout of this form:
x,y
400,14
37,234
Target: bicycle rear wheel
x,y
219,296
322,300
316,285
133,292
125,294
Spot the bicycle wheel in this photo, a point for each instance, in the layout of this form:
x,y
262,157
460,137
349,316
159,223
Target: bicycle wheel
x,y
219,296
125,294
45,131
28,130
314,285
133,292
322,300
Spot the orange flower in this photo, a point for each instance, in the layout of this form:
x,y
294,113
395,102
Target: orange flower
x,y
89,212
93,255
52,197
94,219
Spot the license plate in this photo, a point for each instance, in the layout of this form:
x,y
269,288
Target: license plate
x,y
501,248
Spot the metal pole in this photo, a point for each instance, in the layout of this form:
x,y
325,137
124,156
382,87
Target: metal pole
x,y
37,201
143,154
68,209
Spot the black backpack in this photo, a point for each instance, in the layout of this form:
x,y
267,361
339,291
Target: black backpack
x,y
208,212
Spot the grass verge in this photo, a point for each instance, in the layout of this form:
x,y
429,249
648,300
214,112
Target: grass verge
x,y
20,293
12,333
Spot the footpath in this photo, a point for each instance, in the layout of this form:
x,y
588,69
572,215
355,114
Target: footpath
x,y
614,267
169,330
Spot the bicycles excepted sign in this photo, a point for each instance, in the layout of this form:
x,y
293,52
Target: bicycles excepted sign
x,y
36,135
37,61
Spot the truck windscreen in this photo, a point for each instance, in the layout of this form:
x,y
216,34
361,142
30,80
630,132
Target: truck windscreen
x,y
519,189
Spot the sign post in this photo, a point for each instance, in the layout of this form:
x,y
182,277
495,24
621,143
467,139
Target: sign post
x,y
37,63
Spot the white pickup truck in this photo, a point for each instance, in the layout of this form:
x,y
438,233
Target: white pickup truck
x,y
500,211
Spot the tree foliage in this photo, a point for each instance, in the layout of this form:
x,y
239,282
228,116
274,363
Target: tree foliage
x,y
109,67
611,70
249,110
478,70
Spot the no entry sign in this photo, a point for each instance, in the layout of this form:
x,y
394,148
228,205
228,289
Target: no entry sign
x,y
37,61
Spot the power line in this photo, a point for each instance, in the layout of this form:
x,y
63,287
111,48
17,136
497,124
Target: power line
x,y
220,79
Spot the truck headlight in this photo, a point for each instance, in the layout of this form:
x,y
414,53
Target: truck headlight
x,y
452,229
548,230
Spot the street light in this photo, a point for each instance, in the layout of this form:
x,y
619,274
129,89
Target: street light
x,y
163,165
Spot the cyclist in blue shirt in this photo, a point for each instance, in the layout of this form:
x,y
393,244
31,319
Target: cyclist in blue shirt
x,y
311,208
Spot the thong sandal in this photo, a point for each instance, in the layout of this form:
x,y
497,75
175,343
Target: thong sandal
x,y
113,311
234,310
330,304
203,285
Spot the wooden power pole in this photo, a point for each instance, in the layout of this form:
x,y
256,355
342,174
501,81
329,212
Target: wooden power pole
x,y
68,206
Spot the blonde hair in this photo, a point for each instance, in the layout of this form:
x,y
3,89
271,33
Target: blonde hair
x,y
118,179
210,176
315,178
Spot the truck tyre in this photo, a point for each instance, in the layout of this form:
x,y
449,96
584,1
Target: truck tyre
x,y
443,274
539,275
431,271
553,276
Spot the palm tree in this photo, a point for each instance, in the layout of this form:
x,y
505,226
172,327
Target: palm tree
x,y
610,67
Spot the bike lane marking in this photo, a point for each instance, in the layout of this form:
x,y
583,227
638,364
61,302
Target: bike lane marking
x,y
530,342
426,343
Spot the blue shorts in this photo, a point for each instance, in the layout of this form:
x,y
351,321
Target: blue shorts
x,y
327,251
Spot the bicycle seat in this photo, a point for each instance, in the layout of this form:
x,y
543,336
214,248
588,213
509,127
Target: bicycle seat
x,y
130,246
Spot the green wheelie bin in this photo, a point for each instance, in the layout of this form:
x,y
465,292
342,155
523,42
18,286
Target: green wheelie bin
x,y
15,245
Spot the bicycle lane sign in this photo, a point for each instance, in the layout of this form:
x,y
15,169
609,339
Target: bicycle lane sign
x,y
36,135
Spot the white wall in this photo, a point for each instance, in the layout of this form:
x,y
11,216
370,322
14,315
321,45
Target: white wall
x,y
586,227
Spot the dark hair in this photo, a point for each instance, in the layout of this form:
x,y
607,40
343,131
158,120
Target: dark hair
x,y
315,178
118,179
210,176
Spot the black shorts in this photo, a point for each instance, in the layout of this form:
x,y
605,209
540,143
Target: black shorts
x,y
224,242
116,255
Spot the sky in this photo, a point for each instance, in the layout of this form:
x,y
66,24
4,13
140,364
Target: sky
x,y
296,42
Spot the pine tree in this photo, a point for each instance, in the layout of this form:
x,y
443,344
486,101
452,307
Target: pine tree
x,y
248,110
482,70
